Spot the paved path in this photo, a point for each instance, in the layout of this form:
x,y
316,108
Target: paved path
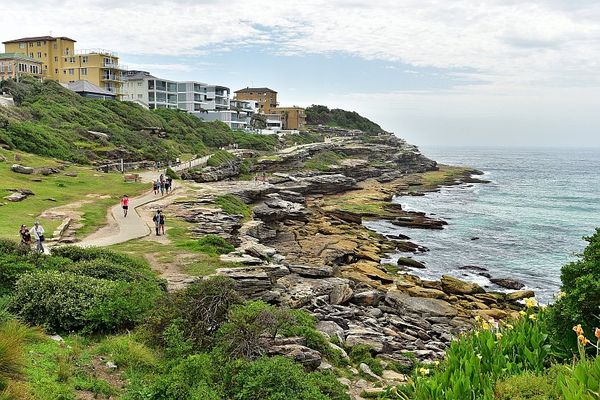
x,y
151,176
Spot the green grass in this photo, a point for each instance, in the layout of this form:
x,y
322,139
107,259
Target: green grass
x,y
232,205
63,189
323,161
219,158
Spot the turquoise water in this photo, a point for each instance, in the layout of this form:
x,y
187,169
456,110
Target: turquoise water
x,y
530,220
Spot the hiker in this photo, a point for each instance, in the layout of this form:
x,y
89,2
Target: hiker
x,y
38,235
159,222
156,186
25,236
162,187
169,184
125,205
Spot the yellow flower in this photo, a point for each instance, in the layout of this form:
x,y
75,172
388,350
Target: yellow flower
x,y
485,325
498,336
477,318
597,333
479,356
436,363
561,294
522,313
578,329
532,317
583,340
476,333
509,326
424,371
530,302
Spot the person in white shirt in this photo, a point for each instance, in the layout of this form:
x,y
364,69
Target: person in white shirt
x,y
38,234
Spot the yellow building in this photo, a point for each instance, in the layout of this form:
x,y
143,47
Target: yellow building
x,y
61,62
15,65
292,117
266,98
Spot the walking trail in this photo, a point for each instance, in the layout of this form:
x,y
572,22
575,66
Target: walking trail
x,y
122,229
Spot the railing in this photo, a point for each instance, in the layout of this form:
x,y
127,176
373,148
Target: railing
x,y
103,52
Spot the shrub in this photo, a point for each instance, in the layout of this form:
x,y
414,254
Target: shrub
x,y
76,253
68,302
527,386
213,245
280,378
232,205
198,311
323,161
579,300
582,382
362,354
191,378
220,157
102,268
321,115
127,353
171,174
476,360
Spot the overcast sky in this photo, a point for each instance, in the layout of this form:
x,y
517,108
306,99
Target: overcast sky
x,y
435,72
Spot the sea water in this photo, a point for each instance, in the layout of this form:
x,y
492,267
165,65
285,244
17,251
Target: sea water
x,y
529,221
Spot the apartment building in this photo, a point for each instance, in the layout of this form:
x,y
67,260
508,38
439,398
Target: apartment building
x,y
148,90
266,98
216,97
191,96
61,62
293,118
238,116
16,65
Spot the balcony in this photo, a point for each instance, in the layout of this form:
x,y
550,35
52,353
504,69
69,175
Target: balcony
x,y
112,78
104,52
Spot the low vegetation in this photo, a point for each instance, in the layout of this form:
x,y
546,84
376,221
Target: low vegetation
x,y
233,205
322,115
323,161
220,158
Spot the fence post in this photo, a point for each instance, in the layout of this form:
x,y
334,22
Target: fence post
x,y
122,167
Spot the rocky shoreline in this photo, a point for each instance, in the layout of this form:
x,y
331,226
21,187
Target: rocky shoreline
x,y
306,247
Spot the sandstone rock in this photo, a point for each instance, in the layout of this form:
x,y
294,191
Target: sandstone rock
x,y
417,291
331,329
368,298
71,174
340,294
519,295
417,305
494,313
366,337
20,169
309,358
240,259
257,250
456,286
15,197
312,271
365,369
299,291
508,283
279,210
393,376
370,269
409,262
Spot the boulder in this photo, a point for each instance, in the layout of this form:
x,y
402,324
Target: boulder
x,y
453,285
15,197
403,303
409,262
365,369
368,298
309,358
274,209
519,295
298,291
393,377
508,283
331,329
312,271
417,291
357,335
20,169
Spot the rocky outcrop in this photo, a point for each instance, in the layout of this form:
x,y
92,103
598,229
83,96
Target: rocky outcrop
x,y
20,169
214,174
319,184
456,286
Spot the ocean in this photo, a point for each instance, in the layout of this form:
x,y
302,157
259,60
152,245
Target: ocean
x,y
530,220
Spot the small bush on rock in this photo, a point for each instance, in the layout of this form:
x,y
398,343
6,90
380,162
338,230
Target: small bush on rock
x,y
214,245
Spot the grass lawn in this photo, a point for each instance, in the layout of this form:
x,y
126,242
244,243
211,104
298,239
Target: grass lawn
x,y
87,185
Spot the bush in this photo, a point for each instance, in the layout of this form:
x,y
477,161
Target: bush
x,y
323,161
476,360
579,300
321,115
68,302
198,311
220,157
362,354
171,174
280,378
213,245
581,382
127,353
527,386
192,378
77,253
102,268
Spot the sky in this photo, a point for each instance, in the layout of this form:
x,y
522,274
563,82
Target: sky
x,y
440,72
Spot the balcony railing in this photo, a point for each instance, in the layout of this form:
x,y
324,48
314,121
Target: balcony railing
x,y
103,52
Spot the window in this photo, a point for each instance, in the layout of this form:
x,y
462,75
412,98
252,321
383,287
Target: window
x,y
72,60
21,45
56,71
84,59
39,43
45,55
54,46
55,59
151,96
83,71
151,84
139,83
71,71
39,54
66,59
140,96
31,55
64,71
67,51
31,44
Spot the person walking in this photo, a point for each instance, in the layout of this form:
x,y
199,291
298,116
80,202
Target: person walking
x,y
38,235
125,205
155,186
169,184
159,222
25,236
162,187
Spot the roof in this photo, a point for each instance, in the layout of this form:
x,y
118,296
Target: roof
x,y
18,56
133,75
256,89
35,38
87,87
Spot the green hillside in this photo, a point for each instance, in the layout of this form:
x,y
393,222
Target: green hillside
x,y
322,115
52,121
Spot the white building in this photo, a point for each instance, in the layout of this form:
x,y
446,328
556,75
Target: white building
x,y
217,97
141,87
274,122
191,96
238,116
